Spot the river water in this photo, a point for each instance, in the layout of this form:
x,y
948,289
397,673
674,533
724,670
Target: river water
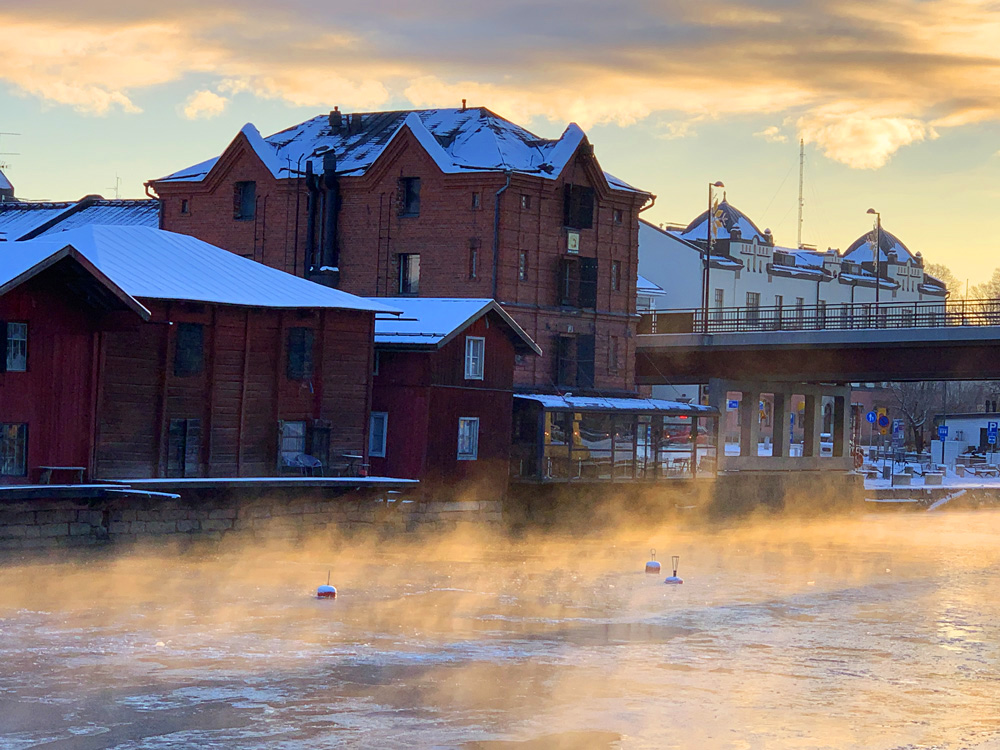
x,y
881,631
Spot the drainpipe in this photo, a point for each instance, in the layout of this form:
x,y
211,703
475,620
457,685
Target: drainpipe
x,y
496,233
310,255
147,186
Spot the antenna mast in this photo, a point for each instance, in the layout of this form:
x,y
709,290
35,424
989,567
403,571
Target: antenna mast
x,y
802,159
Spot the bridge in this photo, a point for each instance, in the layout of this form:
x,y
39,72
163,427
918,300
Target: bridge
x,y
813,353
819,344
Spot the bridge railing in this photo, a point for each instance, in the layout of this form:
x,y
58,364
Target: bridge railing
x,y
929,314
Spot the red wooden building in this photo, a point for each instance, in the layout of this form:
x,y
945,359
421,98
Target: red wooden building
x,y
438,203
443,395
132,353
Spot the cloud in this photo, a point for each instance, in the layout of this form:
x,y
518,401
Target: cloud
x,y
861,140
862,80
204,104
772,134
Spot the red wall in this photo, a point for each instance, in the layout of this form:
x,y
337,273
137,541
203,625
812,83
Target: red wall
x,y
372,234
425,393
54,397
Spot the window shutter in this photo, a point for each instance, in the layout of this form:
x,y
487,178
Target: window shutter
x,y
585,208
3,346
588,283
564,365
192,447
585,361
567,205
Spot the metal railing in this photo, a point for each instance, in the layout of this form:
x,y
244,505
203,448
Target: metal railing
x,y
930,314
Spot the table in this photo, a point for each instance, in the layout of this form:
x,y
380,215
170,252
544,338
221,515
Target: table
x,y
46,476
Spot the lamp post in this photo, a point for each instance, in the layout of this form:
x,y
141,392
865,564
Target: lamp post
x,y
878,258
706,273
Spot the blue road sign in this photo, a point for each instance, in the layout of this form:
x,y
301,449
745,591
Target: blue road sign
x,y
942,431
883,421
871,417
732,404
991,432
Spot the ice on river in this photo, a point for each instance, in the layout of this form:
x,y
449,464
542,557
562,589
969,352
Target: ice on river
x,y
871,632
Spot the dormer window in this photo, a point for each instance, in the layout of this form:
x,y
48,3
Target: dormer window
x,y
578,206
244,201
409,196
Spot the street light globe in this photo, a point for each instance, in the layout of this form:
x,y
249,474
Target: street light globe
x,y
872,211
718,184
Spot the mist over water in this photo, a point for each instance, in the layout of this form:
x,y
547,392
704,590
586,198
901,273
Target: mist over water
x,y
877,631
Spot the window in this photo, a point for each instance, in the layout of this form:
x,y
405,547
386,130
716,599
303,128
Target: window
x,y
525,201
588,283
244,201
377,430
720,298
473,259
183,447
565,361
522,266
616,276
13,449
409,273
468,438
578,206
475,351
613,355
585,361
189,354
16,359
475,202
185,206
617,216
821,314
567,282
409,196
753,308
299,365
377,361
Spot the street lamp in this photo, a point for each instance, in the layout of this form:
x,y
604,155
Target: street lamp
x,y
705,284
878,257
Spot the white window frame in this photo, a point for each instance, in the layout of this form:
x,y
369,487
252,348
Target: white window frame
x,y
383,416
17,347
468,438
475,365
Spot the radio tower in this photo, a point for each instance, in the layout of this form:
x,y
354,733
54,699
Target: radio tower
x,y
802,159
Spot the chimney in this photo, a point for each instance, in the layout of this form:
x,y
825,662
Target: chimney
x,y
336,120
463,105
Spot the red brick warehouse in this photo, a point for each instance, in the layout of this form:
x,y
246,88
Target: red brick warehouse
x,y
438,203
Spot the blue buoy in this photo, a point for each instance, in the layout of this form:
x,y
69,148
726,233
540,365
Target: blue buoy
x,y
674,579
652,566
327,591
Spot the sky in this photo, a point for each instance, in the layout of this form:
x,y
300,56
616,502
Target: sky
x,y
897,101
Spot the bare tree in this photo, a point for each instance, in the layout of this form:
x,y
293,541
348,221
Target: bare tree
x,y
921,401
942,273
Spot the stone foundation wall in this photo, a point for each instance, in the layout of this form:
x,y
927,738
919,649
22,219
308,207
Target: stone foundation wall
x,y
39,524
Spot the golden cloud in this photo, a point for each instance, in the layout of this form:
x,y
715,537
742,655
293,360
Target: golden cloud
x,y
861,80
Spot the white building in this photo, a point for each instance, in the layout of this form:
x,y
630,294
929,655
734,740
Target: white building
x,y
790,286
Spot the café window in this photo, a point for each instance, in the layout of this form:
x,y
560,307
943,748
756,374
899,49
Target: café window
x,y
468,438
13,449
244,201
16,349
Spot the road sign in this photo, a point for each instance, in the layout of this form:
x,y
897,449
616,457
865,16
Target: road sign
x,y
883,421
732,404
942,431
871,417
991,432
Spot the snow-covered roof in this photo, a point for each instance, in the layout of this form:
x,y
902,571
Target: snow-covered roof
x,y
464,140
861,249
153,264
24,220
4,182
570,402
645,286
867,279
432,322
731,217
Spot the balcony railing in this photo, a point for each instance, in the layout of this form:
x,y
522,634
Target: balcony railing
x,y
930,314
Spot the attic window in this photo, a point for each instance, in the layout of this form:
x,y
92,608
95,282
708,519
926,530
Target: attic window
x,y
578,206
185,206
616,216
189,354
525,201
409,196
299,365
475,202
244,200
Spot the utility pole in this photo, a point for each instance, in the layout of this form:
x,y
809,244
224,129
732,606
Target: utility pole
x,y
802,159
